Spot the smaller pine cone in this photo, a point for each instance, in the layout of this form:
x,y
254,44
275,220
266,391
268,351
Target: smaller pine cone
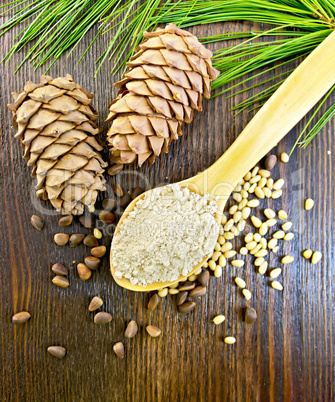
x,y
163,85
55,123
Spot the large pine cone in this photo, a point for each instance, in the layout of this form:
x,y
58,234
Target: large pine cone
x,y
55,123
166,79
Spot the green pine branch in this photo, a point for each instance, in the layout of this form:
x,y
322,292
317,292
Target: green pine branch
x,y
50,28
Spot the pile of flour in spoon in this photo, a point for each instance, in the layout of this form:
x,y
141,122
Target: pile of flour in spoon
x,y
169,231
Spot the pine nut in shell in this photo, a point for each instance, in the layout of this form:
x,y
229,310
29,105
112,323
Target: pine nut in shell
x,y
99,251
21,317
153,302
187,285
95,303
86,221
102,318
83,271
118,349
57,351
270,162
198,291
76,239
61,239
186,307
309,204
181,298
136,192
92,262
131,329
250,315
316,257
37,222
60,281
90,241
203,278
59,269
65,220
118,190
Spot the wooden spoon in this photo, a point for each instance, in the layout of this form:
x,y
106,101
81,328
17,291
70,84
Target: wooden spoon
x,y
287,106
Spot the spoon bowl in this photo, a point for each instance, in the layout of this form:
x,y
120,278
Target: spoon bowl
x,y
287,106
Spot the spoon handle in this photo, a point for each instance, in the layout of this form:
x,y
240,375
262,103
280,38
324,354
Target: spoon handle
x,y
286,107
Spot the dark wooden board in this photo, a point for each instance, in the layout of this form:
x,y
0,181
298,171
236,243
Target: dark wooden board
x,y
288,354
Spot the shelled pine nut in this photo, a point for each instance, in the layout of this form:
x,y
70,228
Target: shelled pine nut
x,y
282,215
240,282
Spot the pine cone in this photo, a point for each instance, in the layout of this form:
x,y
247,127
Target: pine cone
x,y
166,79
55,123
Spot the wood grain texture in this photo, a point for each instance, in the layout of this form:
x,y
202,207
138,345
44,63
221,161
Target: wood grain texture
x,y
288,354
